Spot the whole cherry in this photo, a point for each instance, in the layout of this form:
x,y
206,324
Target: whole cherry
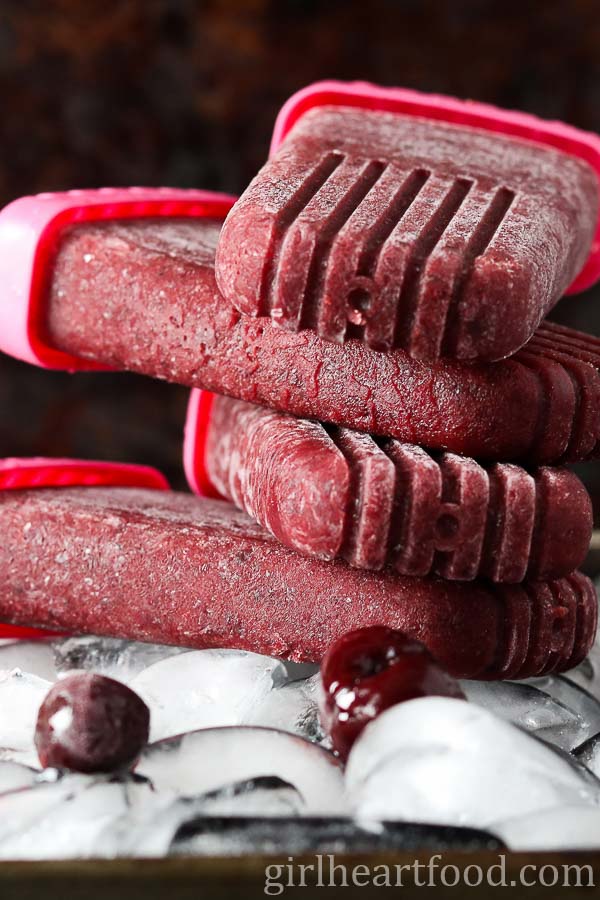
x,y
89,723
368,670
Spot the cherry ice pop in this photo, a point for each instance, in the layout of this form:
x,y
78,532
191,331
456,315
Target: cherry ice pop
x,y
333,492
170,568
438,226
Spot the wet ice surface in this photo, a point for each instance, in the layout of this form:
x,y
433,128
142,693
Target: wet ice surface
x,y
114,658
15,776
293,707
75,816
450,762
589,754
551,709
587,673
21,695
239,762
236,754
33,657
206,688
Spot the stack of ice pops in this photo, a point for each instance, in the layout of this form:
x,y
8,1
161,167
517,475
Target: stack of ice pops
x,y
389,414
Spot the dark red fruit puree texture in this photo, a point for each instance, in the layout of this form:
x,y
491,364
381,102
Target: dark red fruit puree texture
x,y
89,723
367,671
403,232
331,492
142,296
176,569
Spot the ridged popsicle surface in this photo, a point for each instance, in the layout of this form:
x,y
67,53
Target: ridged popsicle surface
x,y
332,492
440,239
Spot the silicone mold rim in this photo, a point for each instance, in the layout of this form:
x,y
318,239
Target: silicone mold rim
x,y
47,472
194,443
30,228
475,114
43,472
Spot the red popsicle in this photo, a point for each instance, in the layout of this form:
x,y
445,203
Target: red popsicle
x,y
437,237
331,492
142,296
172,568
43,472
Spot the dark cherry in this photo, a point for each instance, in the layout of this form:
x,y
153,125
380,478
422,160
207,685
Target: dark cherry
x,y
369,670
89,723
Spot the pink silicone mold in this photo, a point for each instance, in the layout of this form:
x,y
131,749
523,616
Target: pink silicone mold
x,y
194,443
360,94
30,229
44,472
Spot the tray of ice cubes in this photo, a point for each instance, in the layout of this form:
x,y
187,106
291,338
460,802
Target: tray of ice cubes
x,y
111,749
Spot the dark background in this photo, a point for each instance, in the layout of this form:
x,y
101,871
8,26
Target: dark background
x,y
175,92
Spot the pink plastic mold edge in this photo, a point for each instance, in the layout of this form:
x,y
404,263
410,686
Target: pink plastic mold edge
x,y
567,138
194,443
43,472
30,228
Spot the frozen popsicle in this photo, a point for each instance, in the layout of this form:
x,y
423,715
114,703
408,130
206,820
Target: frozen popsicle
x,y
172,568
442,238
39,472
141,295
331,492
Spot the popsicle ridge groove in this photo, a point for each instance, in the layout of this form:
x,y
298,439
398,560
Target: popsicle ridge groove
x,y
562,639
359,299
456,522
574,345
317,267
549,443
309,187
584,431
569,338
389,219
514,628
554,358
586,617
541,600
579,354
423,246
489,224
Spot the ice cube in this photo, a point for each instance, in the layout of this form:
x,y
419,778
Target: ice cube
x,y
21,696
205,689
564,828
112,657
209,759
14,777
300,671
589,754
33,657
587,673
73,817
153,832
265,796
530,708
572,696
293,708
445,761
